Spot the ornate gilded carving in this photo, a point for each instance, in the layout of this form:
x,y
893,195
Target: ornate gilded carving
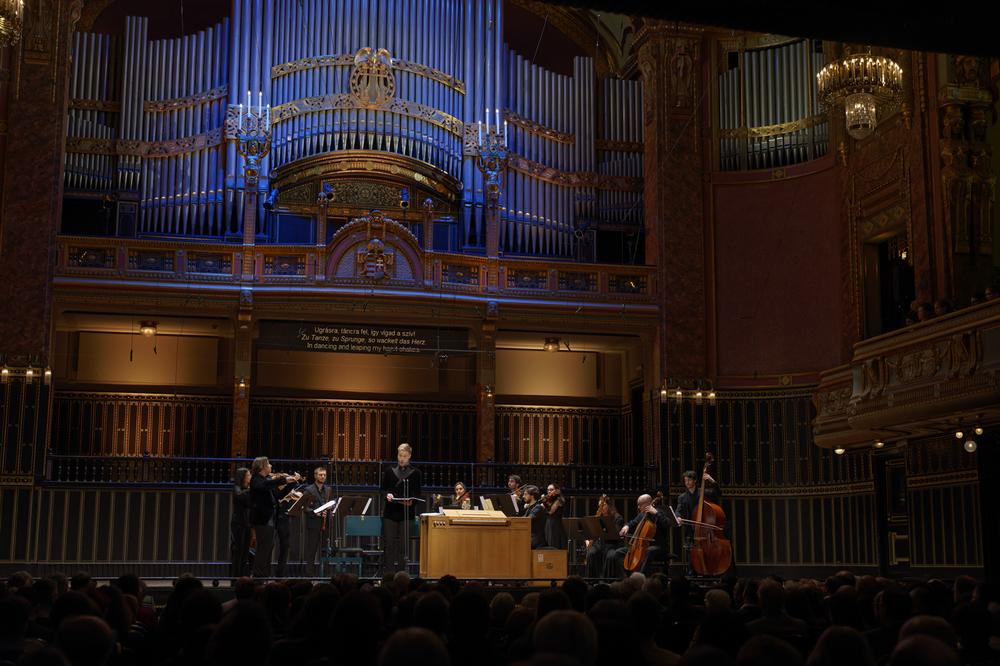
x,y
956,177
360,193
983,183
683,64
95,105
347,101
575,179
963,354
916,366
149,149
620,146
186,102
537,128
348,60
39,26
835,401
874,378
527,279
569,281
626,284
772,130
372,81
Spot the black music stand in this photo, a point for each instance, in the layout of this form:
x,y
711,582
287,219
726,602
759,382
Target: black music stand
x,y
576,529
503,502
610,530
300,505
593,529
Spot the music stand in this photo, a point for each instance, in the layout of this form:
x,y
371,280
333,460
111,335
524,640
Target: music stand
x,y
675,521
576,529
592,528
344,506
609,529
504,502
300,505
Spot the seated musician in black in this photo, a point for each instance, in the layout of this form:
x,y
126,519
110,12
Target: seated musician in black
x,y
660,546
687,506
539,517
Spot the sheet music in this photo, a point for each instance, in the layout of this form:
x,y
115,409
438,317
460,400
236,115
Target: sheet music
x,y
326,506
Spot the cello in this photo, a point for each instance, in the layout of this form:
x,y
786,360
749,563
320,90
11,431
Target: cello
x,y
645,532
711,553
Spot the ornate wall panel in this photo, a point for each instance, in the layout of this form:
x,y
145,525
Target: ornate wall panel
x,y
103,424
359,431
536,435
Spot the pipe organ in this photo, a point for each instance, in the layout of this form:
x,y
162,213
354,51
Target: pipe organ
x,y
768,112
390,82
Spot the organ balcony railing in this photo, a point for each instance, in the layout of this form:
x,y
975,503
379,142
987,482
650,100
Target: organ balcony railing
x,y
217,265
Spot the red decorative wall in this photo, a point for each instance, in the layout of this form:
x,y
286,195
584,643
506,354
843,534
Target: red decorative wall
x,y
777,271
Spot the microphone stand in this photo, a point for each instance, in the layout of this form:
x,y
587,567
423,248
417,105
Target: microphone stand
x,y
405,557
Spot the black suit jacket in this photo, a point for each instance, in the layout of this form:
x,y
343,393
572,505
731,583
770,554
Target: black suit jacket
x,y
263,501
403,482
662,536
539,516
314,522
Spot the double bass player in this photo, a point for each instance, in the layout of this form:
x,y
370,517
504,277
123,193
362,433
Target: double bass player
x,y
687,505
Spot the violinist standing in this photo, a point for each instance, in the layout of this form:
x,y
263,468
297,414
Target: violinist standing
x,y
399,482
687,505
264,487
661,543
555,531
317,526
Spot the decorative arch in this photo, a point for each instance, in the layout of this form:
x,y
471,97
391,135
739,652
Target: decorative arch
x,y
375,250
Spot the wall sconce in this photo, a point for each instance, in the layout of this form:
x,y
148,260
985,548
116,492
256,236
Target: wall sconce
x,y
663,392
29,375
697,398
47,376
551,345
711,398
678,396
4,375
839,450
698,387
242,386
147,328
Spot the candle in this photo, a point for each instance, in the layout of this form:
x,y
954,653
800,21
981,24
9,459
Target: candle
x,y
480,132
248,102
260,103
487,120
498,118
267,121
505,134
240,123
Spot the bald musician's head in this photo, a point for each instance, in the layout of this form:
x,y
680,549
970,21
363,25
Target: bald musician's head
x,y
645,499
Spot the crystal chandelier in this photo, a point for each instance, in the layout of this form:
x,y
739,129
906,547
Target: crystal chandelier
x,y
866,85
11,21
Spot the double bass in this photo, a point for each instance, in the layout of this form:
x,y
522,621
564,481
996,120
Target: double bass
x,y
711,553
645,533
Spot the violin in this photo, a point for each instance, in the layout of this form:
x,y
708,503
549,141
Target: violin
x,y
292,496
645,533
551,497
711,553
600,512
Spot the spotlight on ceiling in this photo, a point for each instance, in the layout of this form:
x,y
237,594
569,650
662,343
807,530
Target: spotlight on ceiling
x,y
147,328
551,345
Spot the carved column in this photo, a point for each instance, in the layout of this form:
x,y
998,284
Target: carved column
x,y
670,61
486,388
428,225
34,84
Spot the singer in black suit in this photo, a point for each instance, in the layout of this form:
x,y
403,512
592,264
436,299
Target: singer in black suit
x,y
399,481
317,527
264,511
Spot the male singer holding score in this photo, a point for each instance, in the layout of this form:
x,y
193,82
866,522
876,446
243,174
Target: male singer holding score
x,y
399,481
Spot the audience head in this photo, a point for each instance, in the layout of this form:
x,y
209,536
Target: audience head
x,y
922,650
991,293
942,307
552,599
243,637
470,616
977,298
911,318
644,613
706,655
80,580
768,650
501,606
431,612
930,625
62,582
893,604
85,640
718,601
567,632
14,614
772,596
925,312
414,647
841,646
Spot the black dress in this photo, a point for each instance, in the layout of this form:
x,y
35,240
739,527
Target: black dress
x,y
555,532
241,530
